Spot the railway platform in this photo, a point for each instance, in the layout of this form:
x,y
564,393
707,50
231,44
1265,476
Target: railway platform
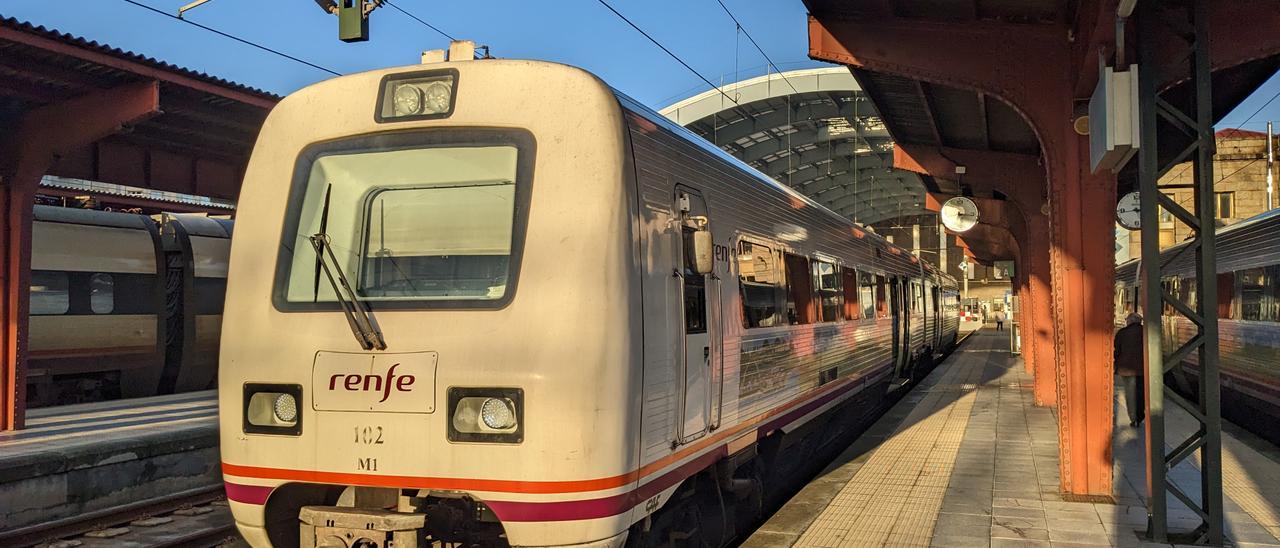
x,y
966,459
86,462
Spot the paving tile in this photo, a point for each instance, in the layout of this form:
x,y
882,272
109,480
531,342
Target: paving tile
x,y
960,542
1007,530
1256,534
1018,543
1017,512
768,539
1078,526
1017,502
1096,539
1036,522
961,530
963,519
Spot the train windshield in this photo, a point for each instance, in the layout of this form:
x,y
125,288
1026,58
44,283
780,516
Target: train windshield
x,y
416,224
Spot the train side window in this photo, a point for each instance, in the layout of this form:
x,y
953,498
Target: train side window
x,y
1170,286
1251,286
1187,292
849,280
102,299
826,282
49,295
1256,296
1273,293
695,288
760,285
882,302
1226,293
867,294
800,308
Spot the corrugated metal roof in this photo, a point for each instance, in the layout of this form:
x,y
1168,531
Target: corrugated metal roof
x,y
107,49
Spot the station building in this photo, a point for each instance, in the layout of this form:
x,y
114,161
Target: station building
x,y
1241,190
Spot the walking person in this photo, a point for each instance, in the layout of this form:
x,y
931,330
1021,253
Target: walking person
x,y
999,320
1129,366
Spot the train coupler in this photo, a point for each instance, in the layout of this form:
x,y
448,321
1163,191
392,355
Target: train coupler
x,y
347,527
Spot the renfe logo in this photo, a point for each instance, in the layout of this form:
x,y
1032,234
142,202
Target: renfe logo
x,y
355,381
365,383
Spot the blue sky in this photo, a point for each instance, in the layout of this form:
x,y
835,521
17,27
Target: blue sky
x,y
577,32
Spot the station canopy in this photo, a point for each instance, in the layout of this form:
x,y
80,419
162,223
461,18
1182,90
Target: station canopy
x,y
197,144
813,130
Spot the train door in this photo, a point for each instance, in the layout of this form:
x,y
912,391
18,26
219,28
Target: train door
x,y
926,300
699,352
938,306
901,323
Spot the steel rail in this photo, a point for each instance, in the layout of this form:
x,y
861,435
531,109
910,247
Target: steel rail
x,y
116,515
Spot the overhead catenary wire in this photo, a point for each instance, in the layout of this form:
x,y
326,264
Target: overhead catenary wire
x,y
418,19
758,48
234,37
1242,123
1245,122
668,52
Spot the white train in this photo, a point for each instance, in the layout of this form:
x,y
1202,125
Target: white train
x,y
496,302
123,306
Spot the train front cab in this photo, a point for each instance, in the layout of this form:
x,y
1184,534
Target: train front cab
x,y
503,402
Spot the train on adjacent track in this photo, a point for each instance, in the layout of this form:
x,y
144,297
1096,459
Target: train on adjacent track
x,y
496,302
123,305
1248,294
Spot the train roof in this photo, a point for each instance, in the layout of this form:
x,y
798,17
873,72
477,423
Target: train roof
x,y
201,225
652,116
1229,237
71,215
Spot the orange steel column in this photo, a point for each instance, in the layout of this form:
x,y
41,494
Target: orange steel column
x,y
1031,69
1044,322
1083,269
25,156
15,206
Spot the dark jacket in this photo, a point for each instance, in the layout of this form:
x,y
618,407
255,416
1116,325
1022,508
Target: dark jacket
x,y
1128,351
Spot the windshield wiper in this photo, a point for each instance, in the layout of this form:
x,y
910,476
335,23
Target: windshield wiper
x,y
359,317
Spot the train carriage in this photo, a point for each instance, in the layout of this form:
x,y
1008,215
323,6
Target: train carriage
x,y
96,324
1248,293
123,306
498,302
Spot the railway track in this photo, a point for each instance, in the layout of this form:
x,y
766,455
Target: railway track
x,y
195,518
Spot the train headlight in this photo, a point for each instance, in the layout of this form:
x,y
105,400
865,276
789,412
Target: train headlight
x,y
498,413
408,100
416,96
272,409
286,408
493,415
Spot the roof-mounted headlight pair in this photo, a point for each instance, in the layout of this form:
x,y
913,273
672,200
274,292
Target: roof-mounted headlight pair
x,y
419,95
